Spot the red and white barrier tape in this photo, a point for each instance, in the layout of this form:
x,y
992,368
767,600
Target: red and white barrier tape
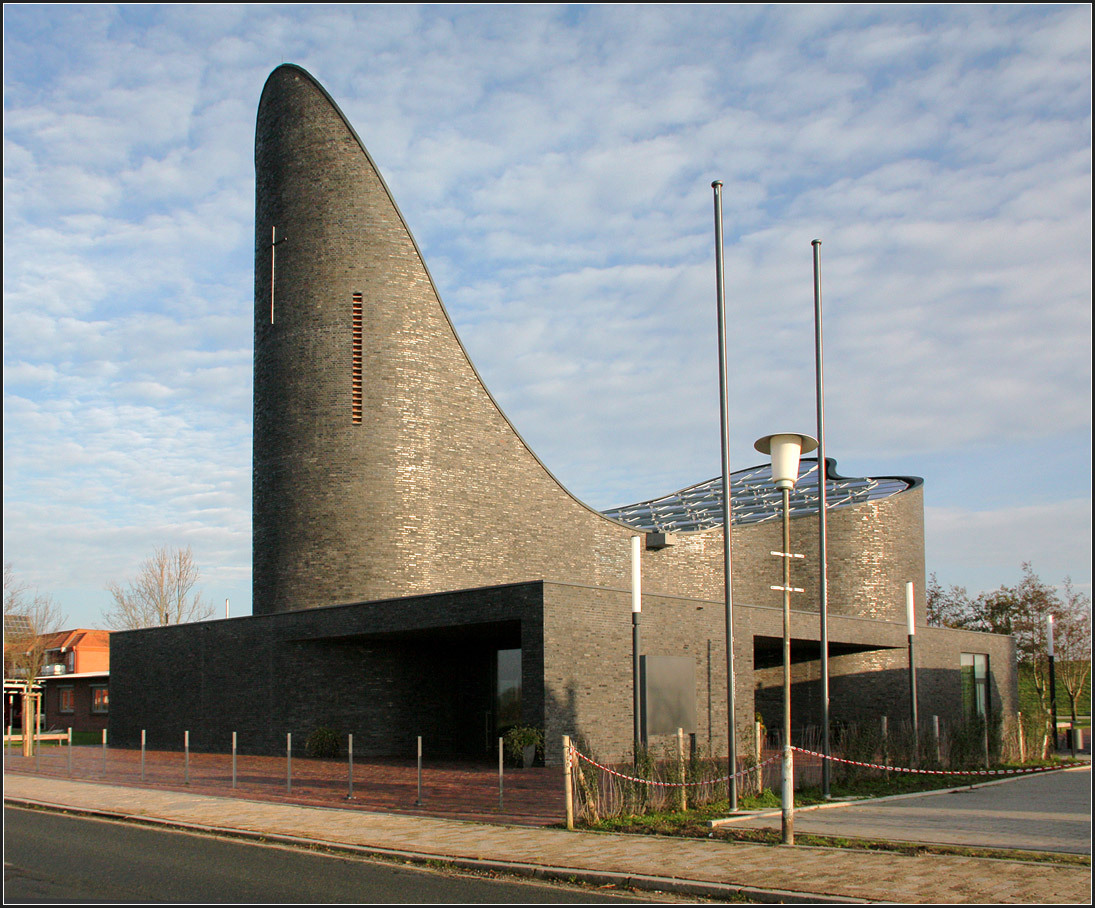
x,y
933,772
726,778
577,754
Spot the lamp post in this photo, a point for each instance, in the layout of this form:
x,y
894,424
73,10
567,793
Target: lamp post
x,y
786,448
910,613
1052,684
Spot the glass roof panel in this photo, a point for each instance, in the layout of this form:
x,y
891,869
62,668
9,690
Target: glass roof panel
x,y
753,499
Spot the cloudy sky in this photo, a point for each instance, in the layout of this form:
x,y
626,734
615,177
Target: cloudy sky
x,y
555,165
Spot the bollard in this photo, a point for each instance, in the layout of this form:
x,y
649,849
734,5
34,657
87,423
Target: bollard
x,y
233,759
186,751
70,752
682,801
500,751
288,763
418,800
350,755
758,745
1022,737
104,751
568,781
142,753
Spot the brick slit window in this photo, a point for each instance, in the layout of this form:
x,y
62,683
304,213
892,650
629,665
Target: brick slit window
x,y
356,362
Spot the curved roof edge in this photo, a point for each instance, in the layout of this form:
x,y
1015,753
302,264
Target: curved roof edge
x,y
433,284
754,498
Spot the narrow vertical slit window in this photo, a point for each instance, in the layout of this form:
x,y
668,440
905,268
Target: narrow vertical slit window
x,y
357,354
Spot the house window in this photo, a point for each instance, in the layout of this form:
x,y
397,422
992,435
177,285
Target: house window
x,y
100,700
66,700
975,685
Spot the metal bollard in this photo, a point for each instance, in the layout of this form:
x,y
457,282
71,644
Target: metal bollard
x,y
186,751
350,755
288,763
418,801
70,752
233,759
142,753
104,751
500,751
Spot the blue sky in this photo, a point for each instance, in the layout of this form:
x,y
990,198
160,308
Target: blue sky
x,y
555,166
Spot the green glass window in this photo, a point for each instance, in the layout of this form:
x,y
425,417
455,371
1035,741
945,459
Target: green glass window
x,y
508,690
975,685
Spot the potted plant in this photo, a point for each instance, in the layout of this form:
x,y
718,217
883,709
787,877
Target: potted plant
x,y
523,745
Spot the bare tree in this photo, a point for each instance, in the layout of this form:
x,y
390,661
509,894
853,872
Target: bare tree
x,y
951,607
29,623
1072,643
162,593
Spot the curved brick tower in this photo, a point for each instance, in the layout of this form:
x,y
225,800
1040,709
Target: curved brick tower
x,y
382,467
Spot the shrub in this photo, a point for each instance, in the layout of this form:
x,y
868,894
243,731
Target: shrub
x,y
518,738
323,743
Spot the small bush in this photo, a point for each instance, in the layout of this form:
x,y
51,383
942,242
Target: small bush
x,y
518,738
323,743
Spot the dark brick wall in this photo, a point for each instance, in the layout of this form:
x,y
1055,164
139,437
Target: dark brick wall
x,y
385,672
391,670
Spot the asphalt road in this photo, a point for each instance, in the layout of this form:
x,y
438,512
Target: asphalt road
x,y
51,857
1042,812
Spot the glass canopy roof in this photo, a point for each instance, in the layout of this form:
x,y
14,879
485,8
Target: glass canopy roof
x,y
753,499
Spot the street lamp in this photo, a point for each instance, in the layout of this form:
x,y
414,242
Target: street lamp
x,y
785,449
1052,683
910,614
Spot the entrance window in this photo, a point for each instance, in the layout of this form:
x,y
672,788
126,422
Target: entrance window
x,y
975,685
507,705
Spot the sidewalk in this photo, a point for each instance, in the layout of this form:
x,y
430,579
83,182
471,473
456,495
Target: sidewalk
x,y
695,867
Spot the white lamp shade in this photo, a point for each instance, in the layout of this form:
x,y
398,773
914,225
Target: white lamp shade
x,y
910,608
786,448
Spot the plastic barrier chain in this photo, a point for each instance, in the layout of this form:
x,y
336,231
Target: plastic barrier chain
x,y
726,778
933,772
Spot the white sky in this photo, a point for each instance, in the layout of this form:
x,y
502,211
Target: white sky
x,y
555,165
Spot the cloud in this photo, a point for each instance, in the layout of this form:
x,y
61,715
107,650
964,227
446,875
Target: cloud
x,y
555,164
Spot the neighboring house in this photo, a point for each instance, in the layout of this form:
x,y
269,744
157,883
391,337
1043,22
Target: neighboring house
x,y
76,680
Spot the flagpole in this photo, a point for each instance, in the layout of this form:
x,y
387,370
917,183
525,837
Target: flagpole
x,y
731,712
822,524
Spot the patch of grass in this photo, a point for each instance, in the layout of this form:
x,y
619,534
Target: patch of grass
x,y
694,823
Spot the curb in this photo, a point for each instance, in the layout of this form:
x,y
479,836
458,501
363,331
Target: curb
x,y
546,872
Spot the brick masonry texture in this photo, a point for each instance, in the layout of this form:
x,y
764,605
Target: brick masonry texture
x,y
448,538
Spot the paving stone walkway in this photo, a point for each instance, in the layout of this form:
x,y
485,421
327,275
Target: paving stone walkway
x,y
709,868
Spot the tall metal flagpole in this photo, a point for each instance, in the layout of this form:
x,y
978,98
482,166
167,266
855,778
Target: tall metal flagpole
x,y
731,712
822,525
